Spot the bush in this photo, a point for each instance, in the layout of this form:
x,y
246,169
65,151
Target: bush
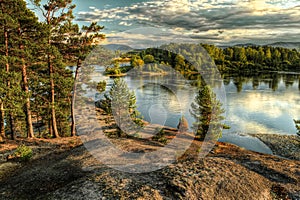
x,y
24,153
160,136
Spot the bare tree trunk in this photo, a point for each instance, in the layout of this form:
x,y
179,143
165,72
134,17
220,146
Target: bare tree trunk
x,y
50,127
2,114
53,115
12,128
30,133
52,92
73,126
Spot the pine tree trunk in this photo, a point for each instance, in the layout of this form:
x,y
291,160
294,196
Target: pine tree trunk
x,y
30,133
6,49
8,82
2,114
50,127
12,128
73,126
53,115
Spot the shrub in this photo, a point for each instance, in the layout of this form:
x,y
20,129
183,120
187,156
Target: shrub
x,y
24,153
160,137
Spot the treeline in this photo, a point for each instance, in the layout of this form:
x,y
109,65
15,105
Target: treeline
x,y
36,88
254,58
235,59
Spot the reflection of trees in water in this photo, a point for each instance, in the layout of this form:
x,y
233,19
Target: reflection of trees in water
x,y
289,79
238,82
270,79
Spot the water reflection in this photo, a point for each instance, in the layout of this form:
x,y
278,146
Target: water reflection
x,y
271,80
261,103
266,103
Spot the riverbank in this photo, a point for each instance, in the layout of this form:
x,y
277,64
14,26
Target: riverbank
x,y
287,146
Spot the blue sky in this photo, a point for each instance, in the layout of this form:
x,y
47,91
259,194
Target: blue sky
x,y
207,21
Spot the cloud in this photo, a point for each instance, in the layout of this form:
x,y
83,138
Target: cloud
x,y
200,17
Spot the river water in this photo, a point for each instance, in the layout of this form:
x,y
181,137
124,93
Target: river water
x,y
264,103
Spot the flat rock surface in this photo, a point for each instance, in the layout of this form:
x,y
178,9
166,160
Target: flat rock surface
x,y
69,171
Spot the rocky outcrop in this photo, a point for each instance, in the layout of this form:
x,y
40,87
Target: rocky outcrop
x,y
227,172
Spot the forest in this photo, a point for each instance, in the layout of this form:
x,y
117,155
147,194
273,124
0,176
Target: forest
x,y
36,88
235,59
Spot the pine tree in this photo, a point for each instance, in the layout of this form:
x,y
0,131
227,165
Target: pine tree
x,y
19,26
121,103
29,35
56,14
78,46
7,24
207,111
297,125
12,97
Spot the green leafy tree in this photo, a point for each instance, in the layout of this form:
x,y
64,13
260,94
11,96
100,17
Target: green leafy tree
x,y
207,111
148,58
137,62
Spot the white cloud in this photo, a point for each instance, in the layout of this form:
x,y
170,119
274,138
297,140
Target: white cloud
x,y
238,20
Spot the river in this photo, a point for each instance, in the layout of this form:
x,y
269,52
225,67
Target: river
x,y
263,103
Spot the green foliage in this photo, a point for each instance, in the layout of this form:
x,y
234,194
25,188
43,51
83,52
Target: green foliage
x,y
115,69
207,111
121,102
33,57
160,136
137,62
254,58
101,86
23,152
297,124
230,59
148,58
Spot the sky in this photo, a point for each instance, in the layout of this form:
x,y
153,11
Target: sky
x,y
208,21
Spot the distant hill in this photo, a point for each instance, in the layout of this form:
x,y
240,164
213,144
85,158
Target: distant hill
x,y
289,45
245,45
120,47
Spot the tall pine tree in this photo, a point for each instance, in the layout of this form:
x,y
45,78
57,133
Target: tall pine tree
x,y
77,46
56,14
207,111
